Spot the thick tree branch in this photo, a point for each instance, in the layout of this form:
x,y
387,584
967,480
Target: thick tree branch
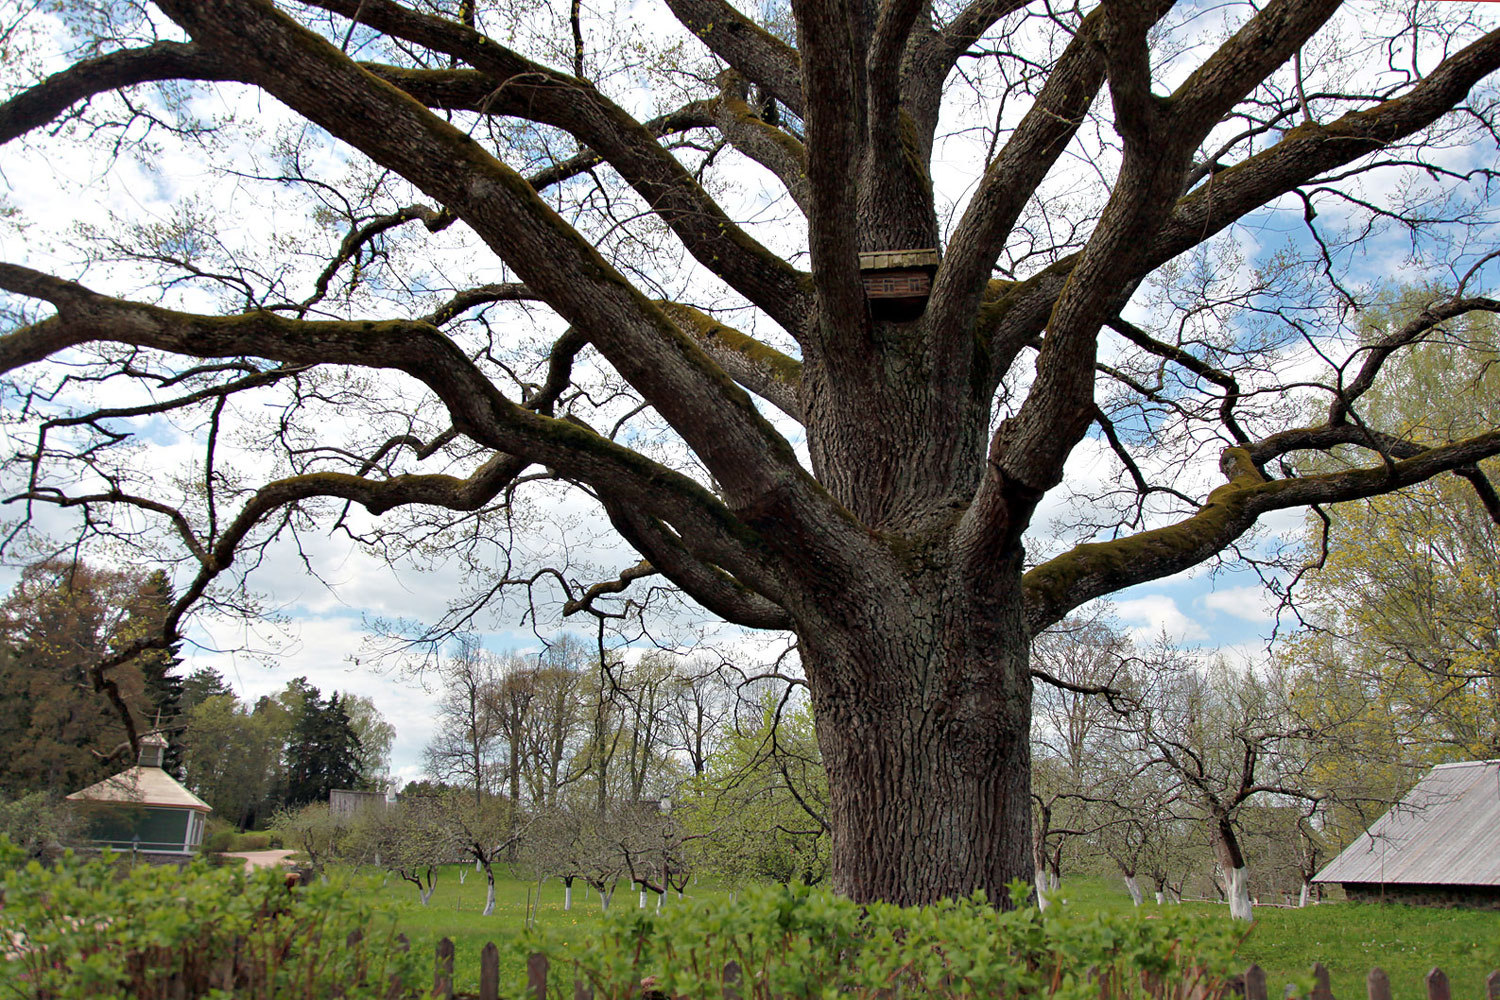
x,y
533,91
941,50
1303,153
40,105
477,408
710,586
714,416
762,370
1011,179
750,50
833,39
1198,367
771,147
480,295
1376,354
1093,569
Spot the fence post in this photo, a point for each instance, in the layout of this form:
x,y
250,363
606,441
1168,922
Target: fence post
x,y
489,972
1255,983
351,943
581,988
1437,985
397,988
1378,984
536,976
732,981
1321,989
442,970
1492,986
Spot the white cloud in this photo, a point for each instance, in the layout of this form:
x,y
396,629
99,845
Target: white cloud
x,y
1157,613
1249,603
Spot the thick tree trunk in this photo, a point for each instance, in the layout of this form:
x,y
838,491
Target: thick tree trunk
x,y
923,713
1134,888
567,895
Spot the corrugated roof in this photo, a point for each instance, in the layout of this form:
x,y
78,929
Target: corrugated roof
x,y
143,786
1445,832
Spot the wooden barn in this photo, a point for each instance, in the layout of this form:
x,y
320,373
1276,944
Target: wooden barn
x,y
1439,846
143,809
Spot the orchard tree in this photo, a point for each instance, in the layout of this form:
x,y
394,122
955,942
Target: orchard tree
x,y
465,257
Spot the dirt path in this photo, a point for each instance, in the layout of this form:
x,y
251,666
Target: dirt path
x,y
262,859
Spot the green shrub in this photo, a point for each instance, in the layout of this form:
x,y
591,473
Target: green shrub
x,y
793,942
251,841
217,843
92,928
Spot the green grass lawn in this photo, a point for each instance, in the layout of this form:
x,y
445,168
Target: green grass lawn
x,y
1348,938
455,911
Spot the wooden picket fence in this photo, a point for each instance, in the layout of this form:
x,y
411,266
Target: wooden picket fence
x,y
1251,985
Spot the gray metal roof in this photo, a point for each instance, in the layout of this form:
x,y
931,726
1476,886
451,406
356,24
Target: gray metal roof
x,y
1445,832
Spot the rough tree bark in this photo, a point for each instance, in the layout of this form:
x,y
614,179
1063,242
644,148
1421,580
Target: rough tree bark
x,y
895,554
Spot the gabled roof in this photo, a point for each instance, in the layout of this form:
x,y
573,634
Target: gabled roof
x,y
141,786
1445,832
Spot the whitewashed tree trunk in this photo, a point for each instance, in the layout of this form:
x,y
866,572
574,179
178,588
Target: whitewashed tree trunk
x,y
603,902
1302,896
1161,897
1134,888
659,897
642,904
1041,890
567,898
489,892
1053,882
463,873
1237,888
425,892
1176,896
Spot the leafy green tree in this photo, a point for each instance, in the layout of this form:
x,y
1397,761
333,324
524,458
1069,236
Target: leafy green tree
x,y
232,757
162,705
202,684
62,720
760,809
1397,664
323,751
375,735
411,839
314,830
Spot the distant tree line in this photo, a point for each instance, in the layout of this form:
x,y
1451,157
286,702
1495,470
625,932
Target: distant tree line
x,y
62,730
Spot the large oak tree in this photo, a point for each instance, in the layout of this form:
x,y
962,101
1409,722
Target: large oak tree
x,y
1100,144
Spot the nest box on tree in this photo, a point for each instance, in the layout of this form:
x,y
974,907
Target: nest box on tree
x,y
897,282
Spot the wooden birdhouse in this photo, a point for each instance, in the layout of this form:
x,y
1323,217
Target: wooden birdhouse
x,y
897,282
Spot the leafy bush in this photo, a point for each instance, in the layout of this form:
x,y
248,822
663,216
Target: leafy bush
x,y
219,842
793,942
91,928
251,842
37,823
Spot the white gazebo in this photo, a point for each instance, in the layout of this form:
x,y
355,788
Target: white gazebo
x,y
144,808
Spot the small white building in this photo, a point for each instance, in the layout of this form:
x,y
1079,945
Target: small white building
x,y
144,808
